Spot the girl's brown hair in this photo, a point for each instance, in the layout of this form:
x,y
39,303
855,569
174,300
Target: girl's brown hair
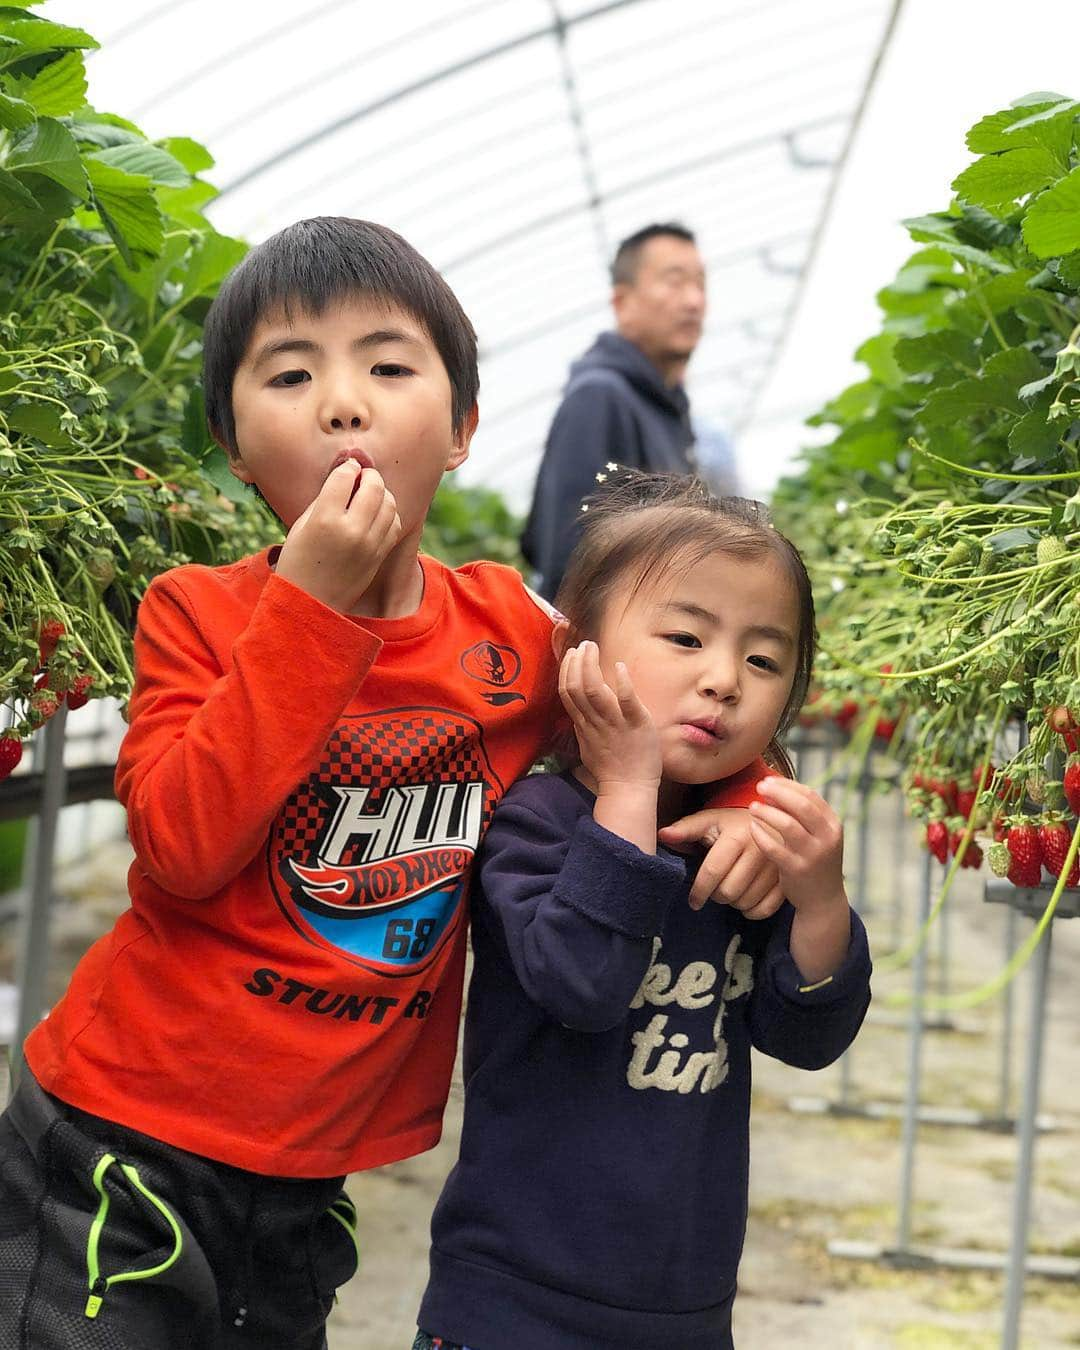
x,y
644,524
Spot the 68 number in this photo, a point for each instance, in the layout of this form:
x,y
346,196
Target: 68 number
x,y
403,939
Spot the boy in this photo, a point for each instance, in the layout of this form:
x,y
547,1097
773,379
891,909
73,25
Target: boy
x,y
318,736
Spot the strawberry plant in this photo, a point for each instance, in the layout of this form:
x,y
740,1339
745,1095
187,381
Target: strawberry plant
x,y
107,474
941,521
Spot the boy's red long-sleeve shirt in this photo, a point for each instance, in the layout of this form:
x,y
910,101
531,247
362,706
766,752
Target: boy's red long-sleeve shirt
x,y
305,792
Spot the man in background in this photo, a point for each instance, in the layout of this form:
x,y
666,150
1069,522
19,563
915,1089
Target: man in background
x,y
624,403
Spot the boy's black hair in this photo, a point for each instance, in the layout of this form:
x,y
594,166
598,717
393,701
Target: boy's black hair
x,y
625,263
312,264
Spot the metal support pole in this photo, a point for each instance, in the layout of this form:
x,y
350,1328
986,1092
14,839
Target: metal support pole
x,y
859,902
899,853
862,845
1016,1268
826,770
914,1078
34,945
1005,1092
944,922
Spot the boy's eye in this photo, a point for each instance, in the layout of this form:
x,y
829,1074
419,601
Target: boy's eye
x,y
683,639
288,378
764,663
392,368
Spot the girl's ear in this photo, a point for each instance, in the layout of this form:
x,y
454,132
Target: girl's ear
x,y
559,635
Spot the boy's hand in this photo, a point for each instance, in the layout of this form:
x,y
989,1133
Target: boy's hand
x,y
798,831
335,549
734,870
617,742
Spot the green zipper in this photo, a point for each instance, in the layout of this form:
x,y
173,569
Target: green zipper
x,y
99,1284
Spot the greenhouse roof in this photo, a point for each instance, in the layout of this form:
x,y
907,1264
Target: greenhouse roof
x,y
515,144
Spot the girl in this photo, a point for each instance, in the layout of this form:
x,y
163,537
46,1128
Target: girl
x,y
599,1198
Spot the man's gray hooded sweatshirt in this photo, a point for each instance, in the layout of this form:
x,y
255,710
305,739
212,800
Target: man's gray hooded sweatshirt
x,y
616,409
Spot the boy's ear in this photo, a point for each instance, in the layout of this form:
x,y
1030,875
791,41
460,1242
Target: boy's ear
x,y
237,467
463,439
559,634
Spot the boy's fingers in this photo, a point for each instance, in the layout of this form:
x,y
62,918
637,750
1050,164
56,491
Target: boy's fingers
x,y
713,871
337,490
739,886
302,519
682,835
766,907
765,880
364,500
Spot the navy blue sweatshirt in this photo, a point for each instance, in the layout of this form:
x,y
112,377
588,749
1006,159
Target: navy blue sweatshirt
x,y
616,408
599,1198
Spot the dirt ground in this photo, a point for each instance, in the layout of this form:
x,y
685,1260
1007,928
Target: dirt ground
x,y
815,1178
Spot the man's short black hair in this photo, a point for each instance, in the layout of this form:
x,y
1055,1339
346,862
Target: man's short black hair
x,y
309,266
625,263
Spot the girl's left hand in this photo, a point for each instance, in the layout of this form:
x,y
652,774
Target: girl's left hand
x,y
795,828
617,740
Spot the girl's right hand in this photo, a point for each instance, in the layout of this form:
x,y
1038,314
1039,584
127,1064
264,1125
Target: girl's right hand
x,y
617,742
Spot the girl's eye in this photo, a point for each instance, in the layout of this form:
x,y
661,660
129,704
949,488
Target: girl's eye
x,y
392,368
683,639
288,378
764,663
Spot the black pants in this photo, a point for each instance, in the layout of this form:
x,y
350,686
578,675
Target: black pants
x,y
111,1240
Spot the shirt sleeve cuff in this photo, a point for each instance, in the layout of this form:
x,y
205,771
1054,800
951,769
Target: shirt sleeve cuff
x,y
613,883
788,982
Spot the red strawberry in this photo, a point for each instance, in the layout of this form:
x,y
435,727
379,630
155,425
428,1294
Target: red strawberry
x,y
49,634
1023,844
1060,719
937,839
946,790
1071,784
1055,838
10,754
849,710
965,800
78,695
976,774
972,855
885,728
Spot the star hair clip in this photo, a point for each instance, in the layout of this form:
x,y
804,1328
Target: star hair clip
x,y
601,478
